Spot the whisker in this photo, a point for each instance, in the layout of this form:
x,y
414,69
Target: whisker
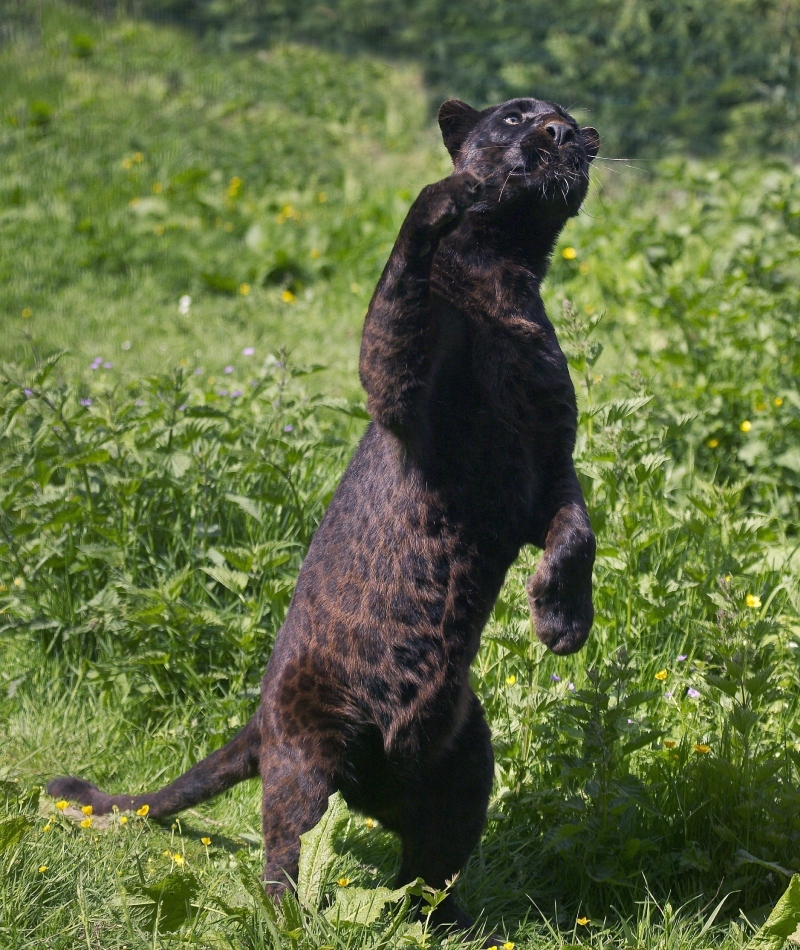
x,y
506,181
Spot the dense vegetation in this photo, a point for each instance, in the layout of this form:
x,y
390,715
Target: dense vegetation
x,y
653,74
159,484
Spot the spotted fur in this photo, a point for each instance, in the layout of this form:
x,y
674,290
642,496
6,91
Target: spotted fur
x,y
467,459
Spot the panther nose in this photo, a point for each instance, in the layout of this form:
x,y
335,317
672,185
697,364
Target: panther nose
x,y
560,131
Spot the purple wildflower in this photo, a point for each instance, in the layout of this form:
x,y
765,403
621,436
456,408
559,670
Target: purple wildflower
x,y
682,657
29,392
288,428
692,693
108,365
668,695
228,370
572,687
222,392
96,363
248,351
181,407
86,402
139,402
198,371
236,393
555,678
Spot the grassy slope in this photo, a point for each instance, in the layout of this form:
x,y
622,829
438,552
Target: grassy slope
x,y
116,195
694,269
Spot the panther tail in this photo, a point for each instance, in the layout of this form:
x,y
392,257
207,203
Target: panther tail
x,y
219,771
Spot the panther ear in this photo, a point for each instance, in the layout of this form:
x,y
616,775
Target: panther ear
x,y
456,120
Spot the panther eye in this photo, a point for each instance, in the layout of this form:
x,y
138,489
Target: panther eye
x,y
512,120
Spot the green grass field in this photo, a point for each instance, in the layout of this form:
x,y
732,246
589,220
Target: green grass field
x,y
161,477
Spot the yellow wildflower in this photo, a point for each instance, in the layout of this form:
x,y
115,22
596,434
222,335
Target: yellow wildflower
x,y
314,253
87,809
509,945
42,868
510,680
138,157
179,860
343,881
746,426
61,805
143,811
123,820
712,443
670,743
583,921
205,841
661,675
369,822
288,297
156,187
760,406
18,582
86,823
27,312
355,288
244,289
753,600
127,164
47,827
702,748
322,197
569,253
777,401
233,186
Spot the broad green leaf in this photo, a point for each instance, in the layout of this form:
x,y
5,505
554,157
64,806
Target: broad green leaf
x,y
172,899
92,457
744,857
317,852
782,922
13,830
246,505
641,741
255,888
180,463
235,581
362,906
727,686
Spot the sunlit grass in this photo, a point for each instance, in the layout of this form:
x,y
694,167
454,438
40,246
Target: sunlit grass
x,y
154,512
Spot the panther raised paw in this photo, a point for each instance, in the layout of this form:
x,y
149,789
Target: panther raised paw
x,y
440,206
560,591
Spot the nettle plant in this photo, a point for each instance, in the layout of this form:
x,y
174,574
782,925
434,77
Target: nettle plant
x,y
150,535
669,746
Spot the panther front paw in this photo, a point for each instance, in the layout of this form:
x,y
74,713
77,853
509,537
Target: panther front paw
x,y
440,206
560,594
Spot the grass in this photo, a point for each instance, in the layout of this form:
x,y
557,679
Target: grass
x,y
139,168
153,517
